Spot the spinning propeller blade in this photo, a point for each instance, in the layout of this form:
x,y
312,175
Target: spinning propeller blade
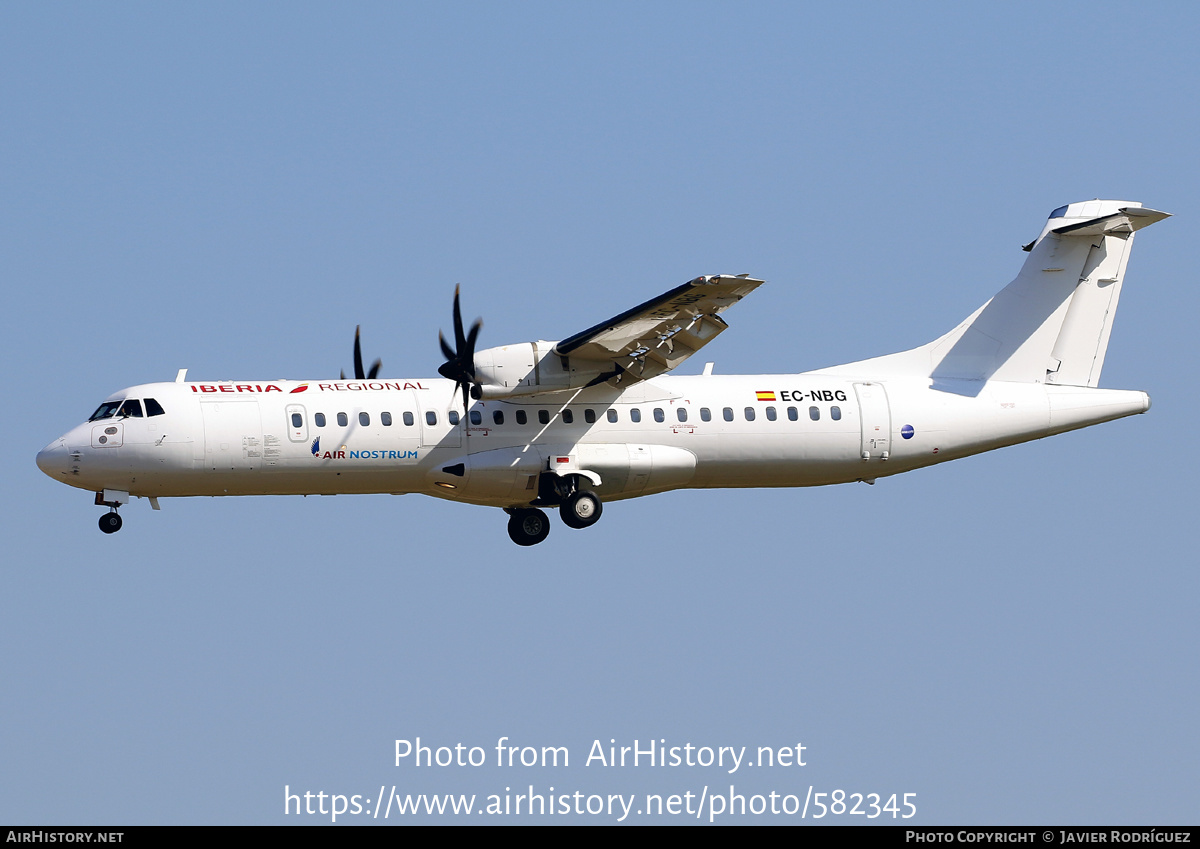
x,y
460,360
359,374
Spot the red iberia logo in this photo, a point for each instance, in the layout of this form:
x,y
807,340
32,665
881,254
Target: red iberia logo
x,y
234,387
764,396
299,388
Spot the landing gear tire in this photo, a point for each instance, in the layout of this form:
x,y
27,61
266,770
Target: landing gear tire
x,y
528,527
581,509
110,523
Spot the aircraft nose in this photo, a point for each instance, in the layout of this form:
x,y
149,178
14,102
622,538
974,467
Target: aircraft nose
x,y
53,459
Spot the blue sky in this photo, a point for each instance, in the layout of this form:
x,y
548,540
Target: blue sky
x,y
1011,637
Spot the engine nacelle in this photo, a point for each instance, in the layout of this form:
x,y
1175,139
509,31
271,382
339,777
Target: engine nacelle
x,y
532,367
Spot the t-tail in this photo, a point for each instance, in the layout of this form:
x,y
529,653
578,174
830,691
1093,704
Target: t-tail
x,y
1050,325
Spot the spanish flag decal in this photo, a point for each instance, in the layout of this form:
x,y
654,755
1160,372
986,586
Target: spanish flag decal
x,y
765,396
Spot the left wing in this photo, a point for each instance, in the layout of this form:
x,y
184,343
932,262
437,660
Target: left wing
x,y
658,335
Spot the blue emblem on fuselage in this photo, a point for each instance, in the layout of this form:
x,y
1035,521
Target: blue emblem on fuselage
x,y
316,446
907,431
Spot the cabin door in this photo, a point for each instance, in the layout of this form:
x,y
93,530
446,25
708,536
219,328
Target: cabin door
x,y
876,420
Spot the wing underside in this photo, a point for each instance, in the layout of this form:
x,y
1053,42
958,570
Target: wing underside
x,y
658,335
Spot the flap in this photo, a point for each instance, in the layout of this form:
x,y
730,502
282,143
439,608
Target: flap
x,y
658,335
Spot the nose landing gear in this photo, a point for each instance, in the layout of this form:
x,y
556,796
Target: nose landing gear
x,y
110,522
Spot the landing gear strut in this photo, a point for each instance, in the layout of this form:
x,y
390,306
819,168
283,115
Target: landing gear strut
x,y
110,522
528,526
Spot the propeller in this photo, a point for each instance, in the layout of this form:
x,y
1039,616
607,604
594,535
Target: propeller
x,y
460,360
358,365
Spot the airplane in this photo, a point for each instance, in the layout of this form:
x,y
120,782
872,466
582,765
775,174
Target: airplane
x,y
595,417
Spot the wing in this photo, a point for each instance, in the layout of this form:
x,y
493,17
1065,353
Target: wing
x,y
658,335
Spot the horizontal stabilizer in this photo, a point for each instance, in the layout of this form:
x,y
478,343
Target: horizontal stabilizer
x,y
1125,220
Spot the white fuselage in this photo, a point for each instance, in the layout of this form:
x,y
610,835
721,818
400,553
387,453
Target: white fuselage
x,y
324,437
597,417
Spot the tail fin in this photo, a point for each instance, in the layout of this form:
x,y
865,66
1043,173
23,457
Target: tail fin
x,y
1052,323
1078,353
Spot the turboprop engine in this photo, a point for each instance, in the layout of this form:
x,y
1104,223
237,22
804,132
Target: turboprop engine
x,y
528,368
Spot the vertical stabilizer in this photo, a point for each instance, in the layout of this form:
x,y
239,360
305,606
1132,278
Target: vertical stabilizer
x,y
1079,349
1052,323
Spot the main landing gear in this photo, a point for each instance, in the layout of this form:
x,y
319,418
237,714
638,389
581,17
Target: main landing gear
x,y
528,526
578,508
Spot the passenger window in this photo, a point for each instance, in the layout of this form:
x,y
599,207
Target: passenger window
x,y
364,419
589,416
131,408
635,415
543,416
793,414
727,414
522,417
681,413
476,417
153,408
453,417
430,417
498,417
835,413
705,414
408,420
343,420
612,415
814,413
568,417
385,419
297,421
771,415
749,414
658,414
319,418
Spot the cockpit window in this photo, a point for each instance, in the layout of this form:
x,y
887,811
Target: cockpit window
x,y
105,411
153,408
131,409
